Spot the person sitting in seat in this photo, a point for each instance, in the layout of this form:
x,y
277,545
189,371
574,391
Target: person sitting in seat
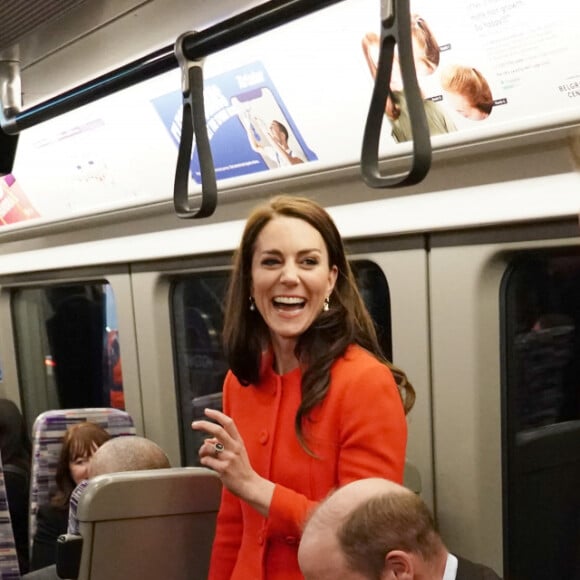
x,y
375,529
127,453
79,443
16,449
124,453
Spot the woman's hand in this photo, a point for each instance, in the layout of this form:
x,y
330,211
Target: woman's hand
x,y
224,452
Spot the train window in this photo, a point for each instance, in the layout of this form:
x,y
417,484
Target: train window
x,y
197,321
374,290
68,350
541,415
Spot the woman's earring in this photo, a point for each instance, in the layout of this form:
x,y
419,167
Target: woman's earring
x,y
252,303
326,306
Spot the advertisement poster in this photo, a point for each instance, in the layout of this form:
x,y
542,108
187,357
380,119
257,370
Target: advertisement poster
x,y
14,204
487,66
250,128
489,62
95,158
295,99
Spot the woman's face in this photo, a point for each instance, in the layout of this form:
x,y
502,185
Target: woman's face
x,y
277,132
79,468
290,276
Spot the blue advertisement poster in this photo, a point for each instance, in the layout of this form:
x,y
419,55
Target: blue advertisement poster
x,y
250,129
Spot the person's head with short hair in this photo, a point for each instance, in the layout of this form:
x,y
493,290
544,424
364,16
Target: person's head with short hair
x,y
371,529
127,453
468,91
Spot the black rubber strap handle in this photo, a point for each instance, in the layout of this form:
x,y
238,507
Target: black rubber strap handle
x,y
193,125
396,30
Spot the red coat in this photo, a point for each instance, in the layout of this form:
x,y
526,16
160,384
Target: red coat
x,y
358,431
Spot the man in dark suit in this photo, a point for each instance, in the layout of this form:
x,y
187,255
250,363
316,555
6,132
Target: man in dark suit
x,y
374,529
467,570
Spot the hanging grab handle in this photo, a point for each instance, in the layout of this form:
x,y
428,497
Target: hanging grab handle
x,y
193,125
396,29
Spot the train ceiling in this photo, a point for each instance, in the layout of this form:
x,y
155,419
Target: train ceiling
x,y
62,43
21,18
34,29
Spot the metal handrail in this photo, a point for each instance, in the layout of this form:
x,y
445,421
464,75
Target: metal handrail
x,y
223,35
189,52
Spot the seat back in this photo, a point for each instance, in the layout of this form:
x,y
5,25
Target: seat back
x,y
47,435
149,524
9,569
544,525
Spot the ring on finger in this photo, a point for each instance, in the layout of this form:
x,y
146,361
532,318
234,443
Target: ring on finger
x,y
218,448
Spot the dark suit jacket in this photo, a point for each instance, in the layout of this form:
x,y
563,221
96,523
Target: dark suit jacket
x,y
467,570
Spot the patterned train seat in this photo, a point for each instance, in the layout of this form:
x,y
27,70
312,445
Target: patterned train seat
x,y
9,569
47,435
73,522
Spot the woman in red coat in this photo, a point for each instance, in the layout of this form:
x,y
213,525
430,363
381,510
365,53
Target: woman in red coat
x,y
310,403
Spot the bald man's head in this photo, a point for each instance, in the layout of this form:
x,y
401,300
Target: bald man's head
x,y
339,505
354,529
127,453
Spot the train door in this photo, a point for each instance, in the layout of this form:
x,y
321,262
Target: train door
x,y
68,342
505,335
403,266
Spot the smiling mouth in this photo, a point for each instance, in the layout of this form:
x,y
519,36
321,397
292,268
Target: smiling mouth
x,y
288,303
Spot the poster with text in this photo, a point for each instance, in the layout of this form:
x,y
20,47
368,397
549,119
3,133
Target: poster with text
x,y
297,98
249,126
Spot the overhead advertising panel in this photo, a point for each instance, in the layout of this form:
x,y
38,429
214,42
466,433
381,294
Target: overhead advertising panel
x,y
295,100
249,126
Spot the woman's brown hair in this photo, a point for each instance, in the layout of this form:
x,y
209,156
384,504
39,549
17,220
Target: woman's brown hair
x,y
80,440
347,321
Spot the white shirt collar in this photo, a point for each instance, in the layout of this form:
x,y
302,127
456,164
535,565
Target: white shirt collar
x,y
450,568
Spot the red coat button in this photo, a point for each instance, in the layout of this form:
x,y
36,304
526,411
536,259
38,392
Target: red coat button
x,y
260,539
291,540
264,437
